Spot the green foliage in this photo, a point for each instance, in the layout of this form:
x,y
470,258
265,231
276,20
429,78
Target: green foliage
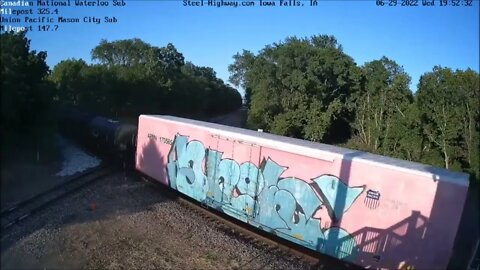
x,y
406,140
469,90
69,77
27,126
26,94
306,88
381,104
123,52
134,77
297,87
448,101
440,107
310,89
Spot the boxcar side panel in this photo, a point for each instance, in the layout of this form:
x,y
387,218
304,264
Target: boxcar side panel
x,y
357,211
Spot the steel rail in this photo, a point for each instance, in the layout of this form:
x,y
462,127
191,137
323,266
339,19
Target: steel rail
x,y
30,206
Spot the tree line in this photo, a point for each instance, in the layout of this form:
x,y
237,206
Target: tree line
x,y
306,88
129,77
133,77
309,88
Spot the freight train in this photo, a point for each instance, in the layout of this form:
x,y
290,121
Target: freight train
x,y
101,136
370,210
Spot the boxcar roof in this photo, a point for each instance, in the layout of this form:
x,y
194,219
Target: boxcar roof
x,y
319,150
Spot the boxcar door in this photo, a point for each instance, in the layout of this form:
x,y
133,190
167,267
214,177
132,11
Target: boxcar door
x,y
233,167
250,181
221,172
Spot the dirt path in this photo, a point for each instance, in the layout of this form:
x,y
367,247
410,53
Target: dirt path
x,y
234,119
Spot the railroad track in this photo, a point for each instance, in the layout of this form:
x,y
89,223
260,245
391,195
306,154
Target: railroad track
x,y
26,208
253,235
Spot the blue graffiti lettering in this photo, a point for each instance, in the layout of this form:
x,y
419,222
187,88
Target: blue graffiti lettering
x,y
285,206
305,195
187,168
331,186
268,215
227,175
251,181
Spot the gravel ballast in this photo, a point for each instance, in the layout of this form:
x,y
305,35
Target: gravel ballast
x,y
75,160
122,223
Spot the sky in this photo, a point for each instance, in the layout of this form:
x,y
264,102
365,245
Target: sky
x,y
417,38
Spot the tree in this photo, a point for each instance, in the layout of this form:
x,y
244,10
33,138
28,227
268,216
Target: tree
x,y
298,87
440,103
128,52
406,140
202,90
26,95
171,58
134,77
381,105
242,63
70,78
467,86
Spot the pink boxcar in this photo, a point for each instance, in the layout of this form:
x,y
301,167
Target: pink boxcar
x,y
367,209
